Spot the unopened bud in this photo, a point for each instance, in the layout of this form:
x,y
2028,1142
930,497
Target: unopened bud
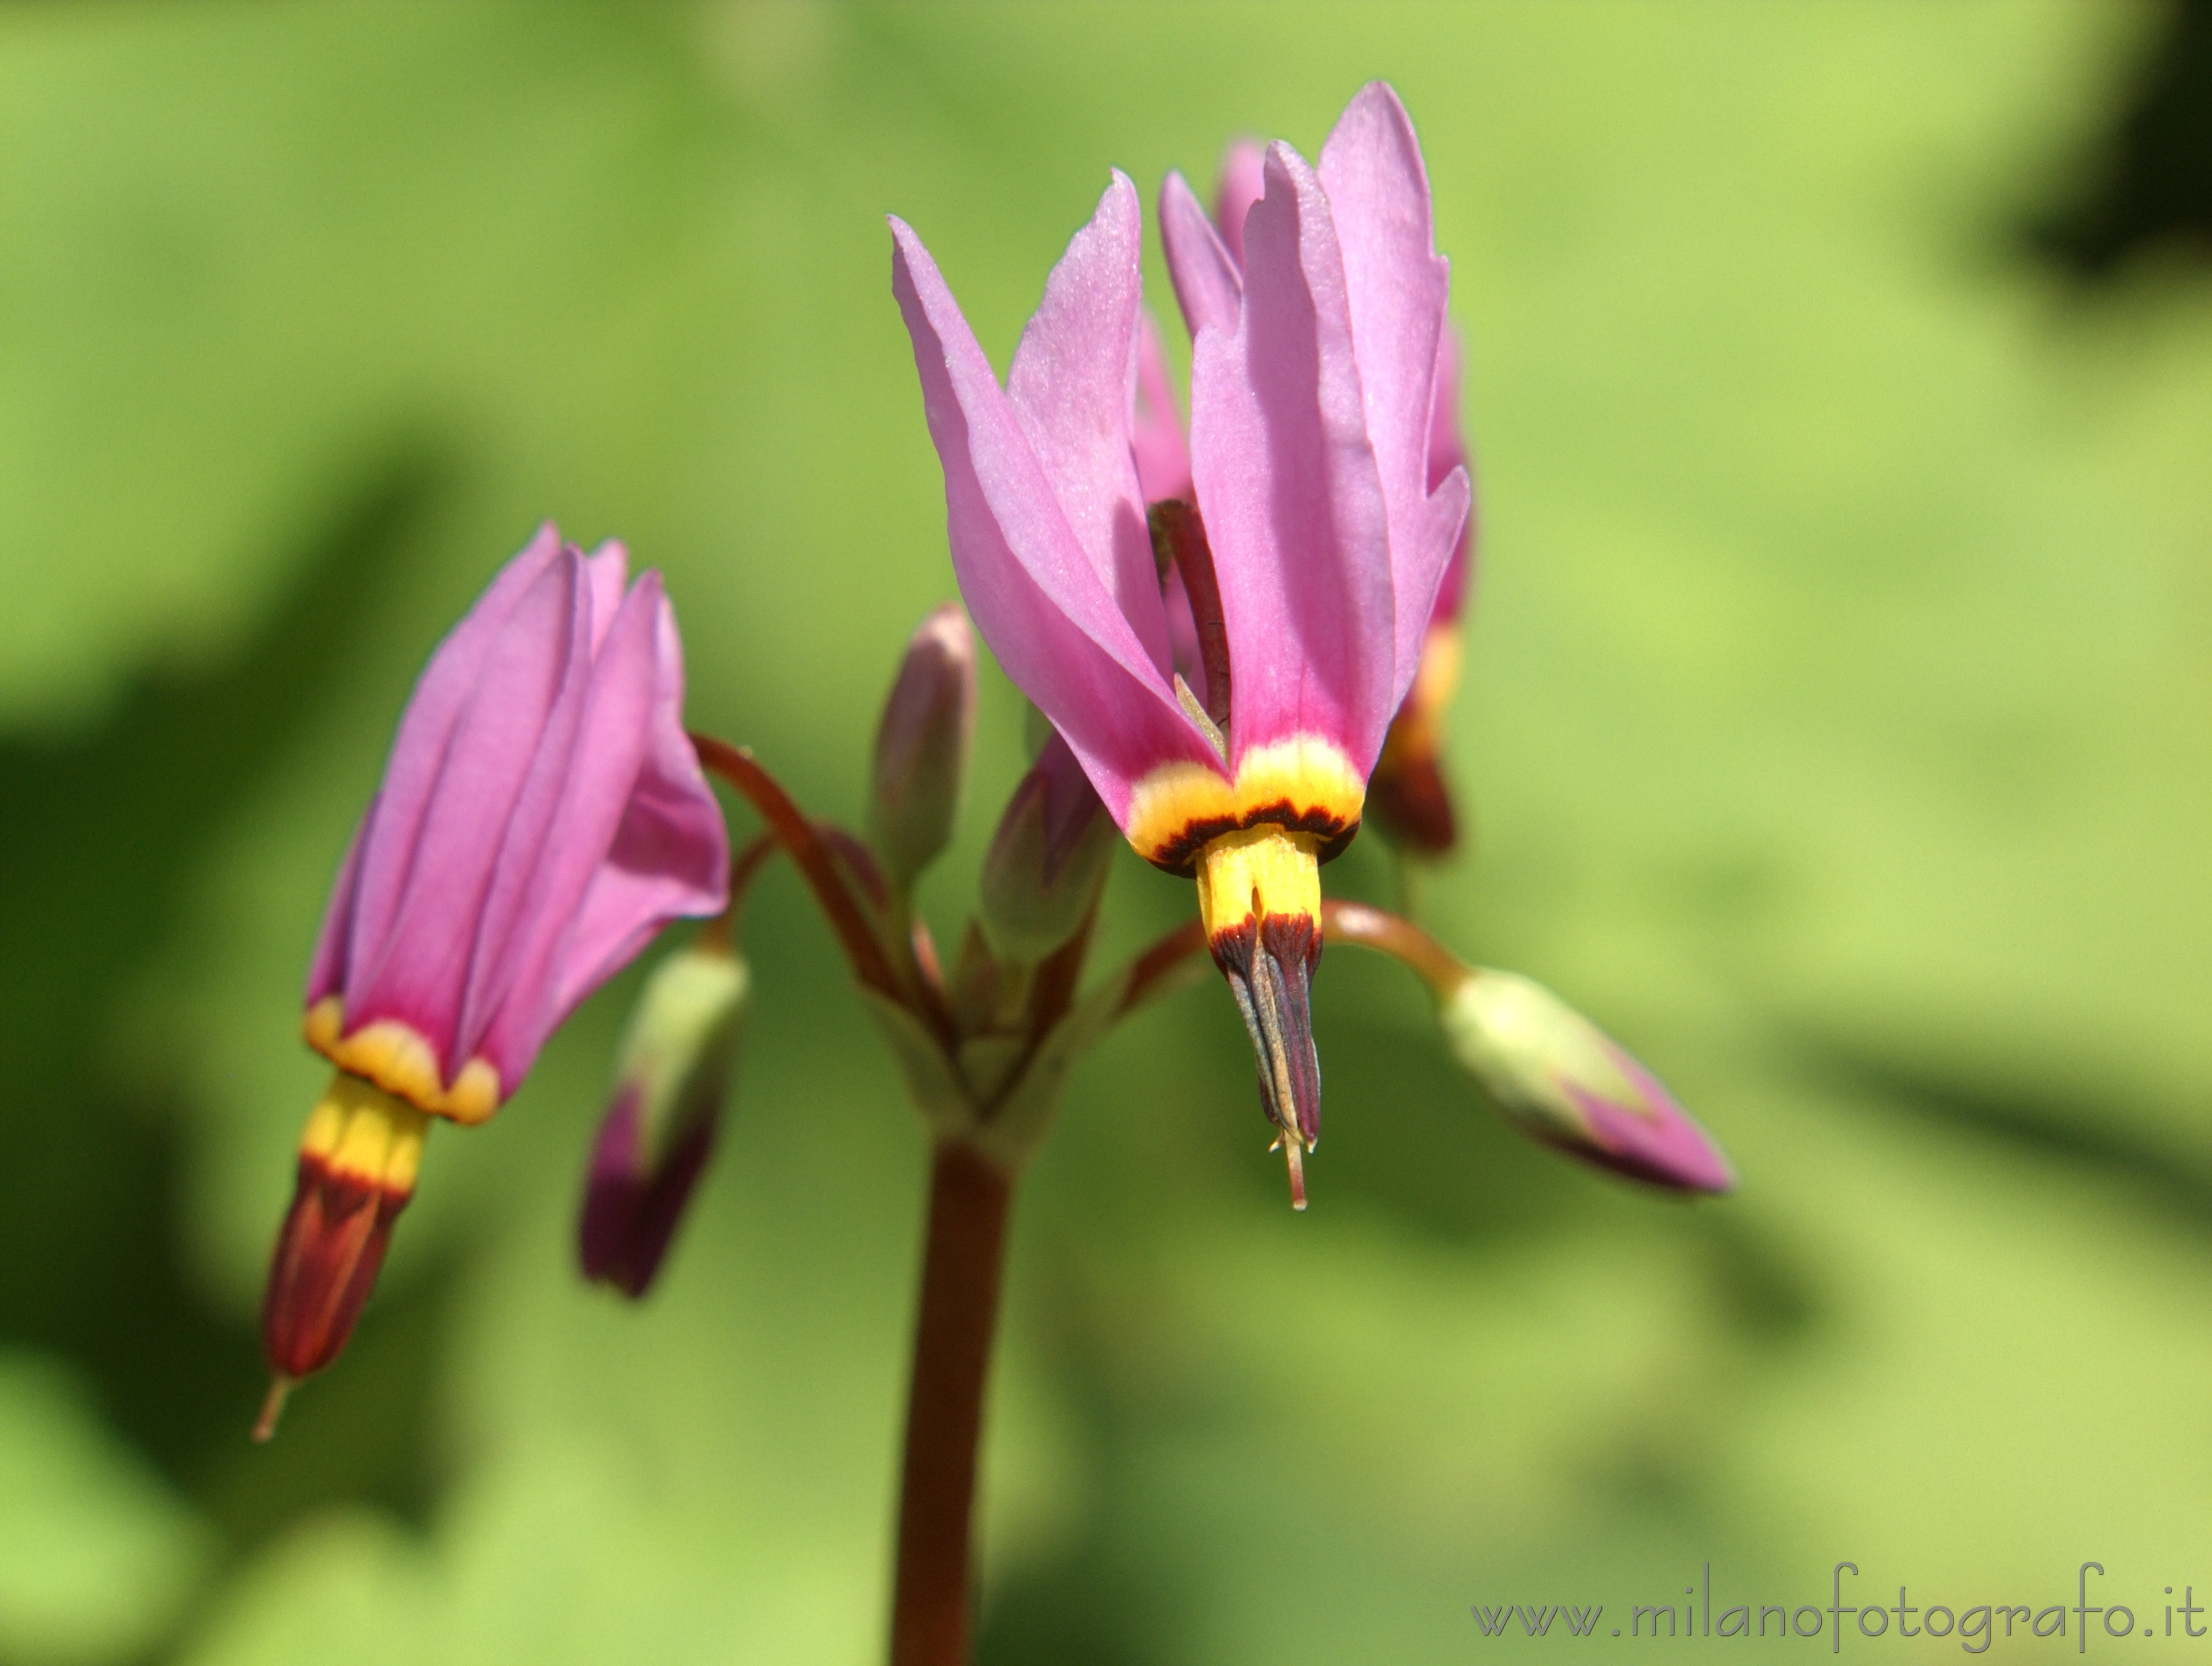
x,y
1564,1080
1046,862
672,1076
921,747
359,1155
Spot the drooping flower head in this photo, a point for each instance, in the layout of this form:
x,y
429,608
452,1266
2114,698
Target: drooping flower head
x,y
1310,553
541,816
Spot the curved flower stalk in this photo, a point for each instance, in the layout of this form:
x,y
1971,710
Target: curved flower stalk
x,y
1310,557
1555,1075
541,816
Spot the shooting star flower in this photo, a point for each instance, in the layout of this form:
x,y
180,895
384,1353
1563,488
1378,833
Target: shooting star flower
x,y
541,815
1310,554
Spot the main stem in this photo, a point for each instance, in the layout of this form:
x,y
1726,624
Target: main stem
x,y
969,1200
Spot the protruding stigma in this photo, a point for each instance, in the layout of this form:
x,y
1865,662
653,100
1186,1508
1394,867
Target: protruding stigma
x,y
1258,894
272,1407
1291,1148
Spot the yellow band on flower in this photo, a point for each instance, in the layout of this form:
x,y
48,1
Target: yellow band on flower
x,y
1254,873
401,1060
1303,784
359,1131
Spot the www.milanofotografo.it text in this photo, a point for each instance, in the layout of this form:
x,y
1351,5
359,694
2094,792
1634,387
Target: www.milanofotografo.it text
x,y
1974,1625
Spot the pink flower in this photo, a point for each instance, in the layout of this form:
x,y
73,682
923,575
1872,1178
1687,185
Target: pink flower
x,y
541,816
1311,565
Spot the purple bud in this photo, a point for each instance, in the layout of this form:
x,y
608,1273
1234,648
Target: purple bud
x,y
921,747
1564,1081
674,1073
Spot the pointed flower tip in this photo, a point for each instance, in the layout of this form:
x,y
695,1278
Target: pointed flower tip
x,y
272,1409
672,1085
921,747
1560,1078
1259,898
359,1156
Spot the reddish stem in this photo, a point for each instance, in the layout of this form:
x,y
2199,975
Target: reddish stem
x,y
1157,962
1373,928
737,766
722,931
969,1201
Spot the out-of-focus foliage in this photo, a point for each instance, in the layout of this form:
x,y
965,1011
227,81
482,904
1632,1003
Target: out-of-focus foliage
x,y
1838,727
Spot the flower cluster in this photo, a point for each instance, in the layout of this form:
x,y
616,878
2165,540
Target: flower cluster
x,y
1241,637
1308,553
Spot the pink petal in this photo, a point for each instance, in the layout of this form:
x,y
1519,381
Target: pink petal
x,y
1031,588
671,855
528,690
551,866
1447,452
1396,283
1156,426
1293,502
1077,364
1656,1142
390,831
606,571
1242,167
1207,283
327,971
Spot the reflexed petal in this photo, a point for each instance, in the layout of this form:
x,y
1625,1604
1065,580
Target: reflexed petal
x,y
530,687
327,971
1293,502
606,572
1396,283
1077,363
1208,284
1028,584
1447,452
1240,187
1156,426
671,855
448,683
513,989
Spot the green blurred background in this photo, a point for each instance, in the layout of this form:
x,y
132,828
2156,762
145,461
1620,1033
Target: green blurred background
x,y
1837,729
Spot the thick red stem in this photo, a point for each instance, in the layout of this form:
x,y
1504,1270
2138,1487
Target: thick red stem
x,y
969,1200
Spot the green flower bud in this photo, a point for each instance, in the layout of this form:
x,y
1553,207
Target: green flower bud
x,y
1046,862
1564,1081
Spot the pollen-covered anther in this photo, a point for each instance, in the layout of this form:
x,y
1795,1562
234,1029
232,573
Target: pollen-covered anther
x,y
1259,895
359,1155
